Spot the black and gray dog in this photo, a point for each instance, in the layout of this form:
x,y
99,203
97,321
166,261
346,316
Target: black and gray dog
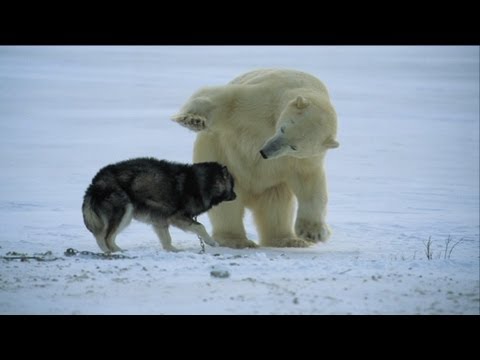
x,y
157,192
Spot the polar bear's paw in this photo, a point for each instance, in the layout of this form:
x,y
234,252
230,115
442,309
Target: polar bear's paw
x,y
171,248
288,242
312,231
235,243
193,122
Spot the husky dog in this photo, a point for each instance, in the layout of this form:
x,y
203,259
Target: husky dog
x,y
157,192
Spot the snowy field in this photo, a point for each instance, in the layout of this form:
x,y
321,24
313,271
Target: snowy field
x,y
407,170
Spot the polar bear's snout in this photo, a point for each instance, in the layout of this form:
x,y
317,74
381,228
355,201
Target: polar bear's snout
x,y
274,147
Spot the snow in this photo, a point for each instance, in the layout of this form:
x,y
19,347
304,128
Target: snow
x,y
407,170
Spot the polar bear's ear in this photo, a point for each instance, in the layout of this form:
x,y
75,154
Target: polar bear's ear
x,y
331,143
301,102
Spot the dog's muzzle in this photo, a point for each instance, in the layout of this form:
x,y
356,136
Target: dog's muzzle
x,y
232,196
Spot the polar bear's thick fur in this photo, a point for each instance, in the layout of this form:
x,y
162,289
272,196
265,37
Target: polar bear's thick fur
x,y
272,128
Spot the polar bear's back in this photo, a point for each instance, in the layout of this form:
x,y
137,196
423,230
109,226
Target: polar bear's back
x,y
285,78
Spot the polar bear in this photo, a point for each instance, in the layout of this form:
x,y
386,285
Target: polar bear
x,y
272,129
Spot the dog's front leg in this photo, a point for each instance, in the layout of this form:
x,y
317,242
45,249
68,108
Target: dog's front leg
x,y
199,229
190,225
164,236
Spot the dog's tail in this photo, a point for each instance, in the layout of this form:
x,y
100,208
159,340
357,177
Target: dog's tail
x,y
94,221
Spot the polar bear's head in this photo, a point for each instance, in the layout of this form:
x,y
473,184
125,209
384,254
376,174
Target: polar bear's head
x,y
307,127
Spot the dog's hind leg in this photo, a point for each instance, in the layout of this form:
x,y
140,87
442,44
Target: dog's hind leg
x,y
102,242
191,225
119,221
95,223
164,235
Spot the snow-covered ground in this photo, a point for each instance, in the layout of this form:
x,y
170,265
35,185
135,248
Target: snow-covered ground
x,y
407,170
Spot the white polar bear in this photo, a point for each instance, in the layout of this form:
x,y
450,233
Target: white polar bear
x,y
272,129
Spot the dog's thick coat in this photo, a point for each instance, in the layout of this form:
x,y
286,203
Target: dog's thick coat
x,y
157,192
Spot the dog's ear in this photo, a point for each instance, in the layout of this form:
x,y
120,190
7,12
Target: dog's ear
x,y
225,172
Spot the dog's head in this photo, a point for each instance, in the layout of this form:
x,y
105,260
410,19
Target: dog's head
x,y
216,182
224,184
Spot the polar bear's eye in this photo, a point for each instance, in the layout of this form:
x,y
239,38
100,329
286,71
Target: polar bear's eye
x,y
293,147
282,129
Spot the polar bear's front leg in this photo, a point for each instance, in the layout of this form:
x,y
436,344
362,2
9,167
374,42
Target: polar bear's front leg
x,y
314,231
227,224
273,214
311,192
209,107
193,122
195,113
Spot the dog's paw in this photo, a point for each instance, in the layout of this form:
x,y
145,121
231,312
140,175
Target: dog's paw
x,y
211,242
312,231
114,248
191,121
